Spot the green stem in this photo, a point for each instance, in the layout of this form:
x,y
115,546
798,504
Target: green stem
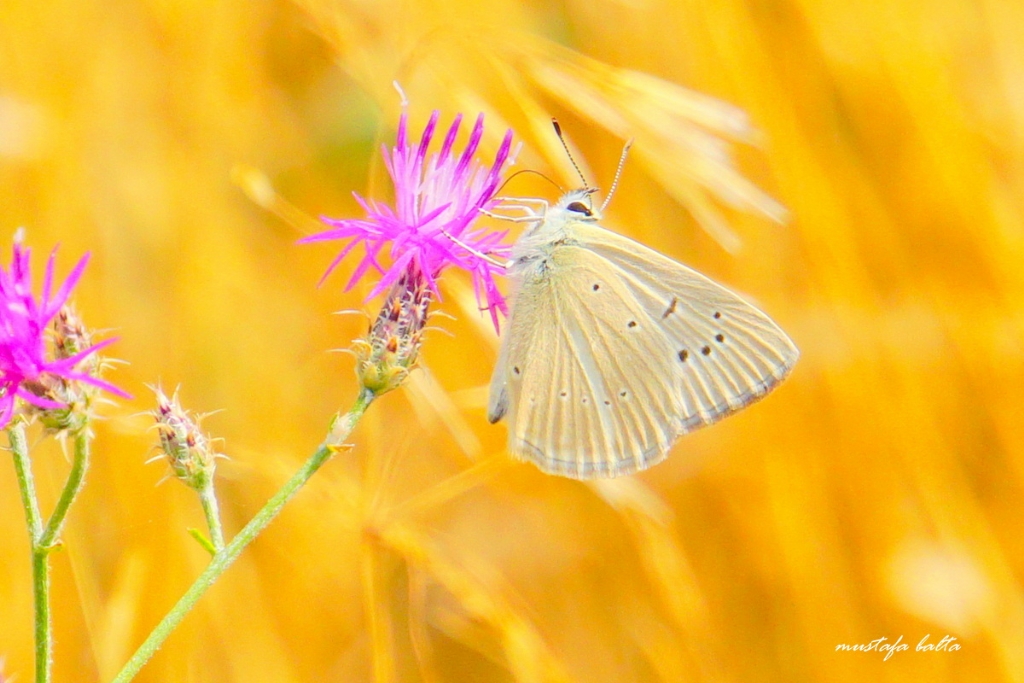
x,y
222,560
209,501
76,478
26,484
44,630
40,567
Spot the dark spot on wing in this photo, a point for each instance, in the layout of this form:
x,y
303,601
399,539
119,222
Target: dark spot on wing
x,y
596,286
717,315
719,338
515,369
622,393
683,355
706,350
671,308
564,394
632,323
607,402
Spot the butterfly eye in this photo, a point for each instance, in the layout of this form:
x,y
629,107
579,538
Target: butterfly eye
x,y
580,207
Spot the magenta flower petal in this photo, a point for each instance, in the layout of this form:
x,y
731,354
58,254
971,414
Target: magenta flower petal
x,y
369,260
28,397
6,406
449,140
467,155
96,382
334,264
70,363
428,133
393,273
48,277
65,290
437,197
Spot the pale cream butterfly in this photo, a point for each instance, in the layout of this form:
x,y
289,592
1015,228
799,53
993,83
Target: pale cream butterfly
x,y
613,350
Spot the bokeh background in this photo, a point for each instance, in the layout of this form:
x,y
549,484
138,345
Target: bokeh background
x,y
875,494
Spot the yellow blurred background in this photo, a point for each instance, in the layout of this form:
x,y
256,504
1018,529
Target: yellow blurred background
x,y
875,494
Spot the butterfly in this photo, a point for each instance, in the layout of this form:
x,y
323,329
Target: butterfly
x,y
614,350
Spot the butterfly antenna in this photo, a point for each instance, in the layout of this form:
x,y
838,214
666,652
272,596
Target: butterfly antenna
x,y
618,173
565,146
527,170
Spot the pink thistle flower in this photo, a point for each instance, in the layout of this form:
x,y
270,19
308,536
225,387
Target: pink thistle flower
x,y
436,195
25,369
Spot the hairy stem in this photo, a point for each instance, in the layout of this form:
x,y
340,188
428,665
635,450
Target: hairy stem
x,y
223,559
76,478
44,628
40,567
26,484
210,508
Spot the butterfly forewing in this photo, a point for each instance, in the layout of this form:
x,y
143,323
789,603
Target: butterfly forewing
x,y
731,353
613,351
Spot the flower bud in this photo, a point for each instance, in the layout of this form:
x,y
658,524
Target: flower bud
x,y
188,450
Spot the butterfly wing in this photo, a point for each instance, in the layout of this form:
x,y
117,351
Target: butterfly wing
x,y
571,406
730,353
604,363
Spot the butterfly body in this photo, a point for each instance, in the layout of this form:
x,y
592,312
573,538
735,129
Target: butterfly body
x,y
613,350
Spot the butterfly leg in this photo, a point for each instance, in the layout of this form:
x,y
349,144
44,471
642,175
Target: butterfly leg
x,y
523,200
511,219
475,252
525,204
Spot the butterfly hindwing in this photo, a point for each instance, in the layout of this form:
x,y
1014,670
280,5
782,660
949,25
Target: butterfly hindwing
x,y
573,407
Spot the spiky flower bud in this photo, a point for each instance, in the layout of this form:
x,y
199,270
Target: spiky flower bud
x,y
384,359
188,450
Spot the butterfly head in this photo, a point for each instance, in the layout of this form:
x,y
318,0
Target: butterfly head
x,y
553,226
578,205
